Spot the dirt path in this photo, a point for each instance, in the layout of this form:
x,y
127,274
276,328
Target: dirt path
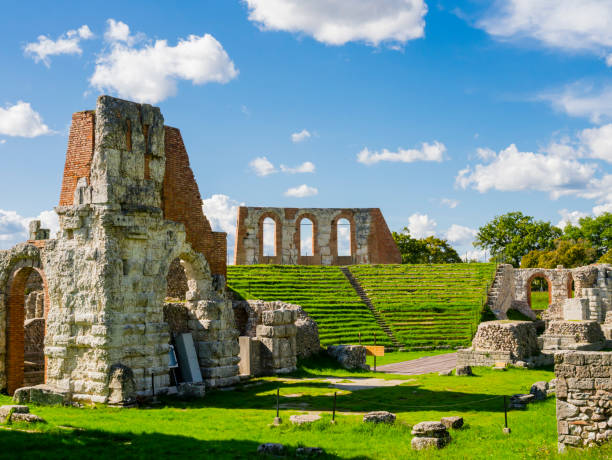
x,y
422,365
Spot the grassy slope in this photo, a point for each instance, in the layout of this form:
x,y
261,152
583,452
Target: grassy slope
x,y
324,292
232,424
427,305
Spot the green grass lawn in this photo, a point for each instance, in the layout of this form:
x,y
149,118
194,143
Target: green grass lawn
x,y
231,424
539,300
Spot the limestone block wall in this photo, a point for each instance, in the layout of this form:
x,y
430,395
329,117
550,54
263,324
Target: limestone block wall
x,y
584,392
370,238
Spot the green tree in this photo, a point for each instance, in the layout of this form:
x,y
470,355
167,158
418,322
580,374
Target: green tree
x,y
607,258
513,235
596,230
568,253
428,250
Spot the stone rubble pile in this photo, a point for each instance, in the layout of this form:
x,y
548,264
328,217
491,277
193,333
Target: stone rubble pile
x,y
18,413
351,357
453,422
429,434
517,337
381,416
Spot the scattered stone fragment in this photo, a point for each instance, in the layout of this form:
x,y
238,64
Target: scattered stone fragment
x,y
381,416
29,418
539,390
5,411
463,370
305,418
271,448
520,401
552,386
453,422
446,373
349,356
428,435
44,395
521,364
309,451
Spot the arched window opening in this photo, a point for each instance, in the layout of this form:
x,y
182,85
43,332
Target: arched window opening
x,y
306,237
177,282
539,293
25,364
269,237
34,331
570,287
344,237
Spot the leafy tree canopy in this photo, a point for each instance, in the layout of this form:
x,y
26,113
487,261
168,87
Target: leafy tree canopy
x,y
511,236
607,258
568,253
596,230
430,250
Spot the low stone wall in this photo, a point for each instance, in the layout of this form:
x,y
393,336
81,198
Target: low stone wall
x,y
573,335
248,315
277,337
515,337
584,392
470,357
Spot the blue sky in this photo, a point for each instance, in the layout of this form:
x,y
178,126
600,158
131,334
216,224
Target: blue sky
x,y
443,114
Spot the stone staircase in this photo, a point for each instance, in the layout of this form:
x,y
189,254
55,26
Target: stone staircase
x,y
495,289
366,300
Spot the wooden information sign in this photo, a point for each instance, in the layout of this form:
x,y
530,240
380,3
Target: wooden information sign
x,y
375,350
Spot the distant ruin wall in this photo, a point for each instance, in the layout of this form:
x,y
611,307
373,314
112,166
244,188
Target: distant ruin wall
x,y
371,241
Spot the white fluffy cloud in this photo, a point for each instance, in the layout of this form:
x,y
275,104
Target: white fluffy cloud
x,y
598,142
570,217
421,225
262,166
301,191
602,208
301,136
582,99
222,212
117,31
22,121
14,227
563,24
68,43
337,22
306,167
150,73
461,235
427,152
513,170
449,202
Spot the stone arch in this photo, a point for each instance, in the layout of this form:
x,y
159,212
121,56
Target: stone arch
x,y
278,238
316,256
538,274
333,242
23,260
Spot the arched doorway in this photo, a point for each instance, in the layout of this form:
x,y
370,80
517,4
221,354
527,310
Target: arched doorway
x,y
570,287
269,234
539,292
25,326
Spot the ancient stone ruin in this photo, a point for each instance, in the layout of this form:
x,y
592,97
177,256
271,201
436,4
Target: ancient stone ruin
x,y
584,392
129,209
371,241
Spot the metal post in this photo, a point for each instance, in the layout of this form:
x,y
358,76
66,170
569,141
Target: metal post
x,y
334,410
375,353
506,429
277,419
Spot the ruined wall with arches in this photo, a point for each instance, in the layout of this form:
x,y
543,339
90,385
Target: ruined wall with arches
x,y
368,238
124,217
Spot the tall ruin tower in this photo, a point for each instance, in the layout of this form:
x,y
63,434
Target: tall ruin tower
x,y
129,207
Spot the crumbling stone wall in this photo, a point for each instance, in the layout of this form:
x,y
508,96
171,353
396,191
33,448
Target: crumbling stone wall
x,y
509,342
371,240
105,275
573,335
584,392
181,200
